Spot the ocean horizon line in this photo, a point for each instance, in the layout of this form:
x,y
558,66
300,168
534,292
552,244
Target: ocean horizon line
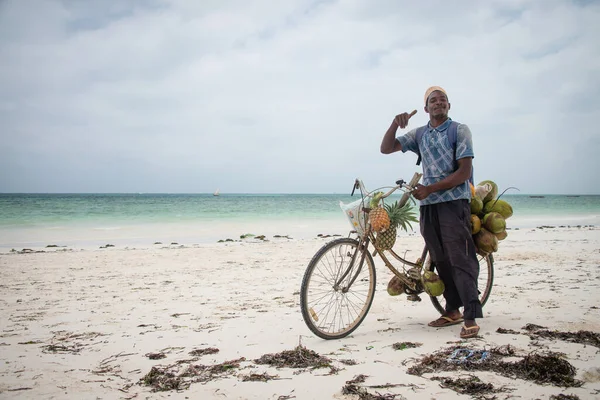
x,y
260,193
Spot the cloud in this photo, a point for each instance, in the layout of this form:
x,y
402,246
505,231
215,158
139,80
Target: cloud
x,y
178,96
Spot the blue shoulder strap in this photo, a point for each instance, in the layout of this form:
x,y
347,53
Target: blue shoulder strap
x,y
452,132
420,133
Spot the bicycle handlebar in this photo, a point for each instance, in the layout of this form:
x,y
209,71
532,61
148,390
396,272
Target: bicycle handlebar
x,y
400,184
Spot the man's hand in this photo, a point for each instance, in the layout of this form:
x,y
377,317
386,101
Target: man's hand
x,y
421,192
402,119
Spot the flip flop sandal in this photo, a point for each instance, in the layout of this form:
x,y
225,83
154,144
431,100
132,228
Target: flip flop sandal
x,y
445,321
469,332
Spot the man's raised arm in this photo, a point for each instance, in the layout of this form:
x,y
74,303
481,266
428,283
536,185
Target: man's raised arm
x,y
389,144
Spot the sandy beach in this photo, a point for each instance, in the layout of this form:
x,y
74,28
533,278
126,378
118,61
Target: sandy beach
x,y
92,323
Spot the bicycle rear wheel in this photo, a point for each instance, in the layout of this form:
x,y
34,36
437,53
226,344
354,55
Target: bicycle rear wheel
x,y
334,311
484,282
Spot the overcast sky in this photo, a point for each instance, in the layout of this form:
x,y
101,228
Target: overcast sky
x,y
291,96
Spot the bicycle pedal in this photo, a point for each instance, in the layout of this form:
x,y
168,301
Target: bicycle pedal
x,y
413,297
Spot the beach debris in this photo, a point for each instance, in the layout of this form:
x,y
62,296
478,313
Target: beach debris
x,y
467,355
353,387
60,348
348,362
564,397
548,368
300,357
406,345
201,352
264,377
282,236
26,251
507,331
251,235
30,342
179,376
69,342
286,397
155,356
177,315
19,389
580,337
533,327
541,332
591,375
505,350
472,386
107,246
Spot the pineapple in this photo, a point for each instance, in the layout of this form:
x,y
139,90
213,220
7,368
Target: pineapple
x,y
399,217
378,216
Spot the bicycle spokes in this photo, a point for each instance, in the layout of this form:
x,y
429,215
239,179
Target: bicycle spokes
x,y
337,290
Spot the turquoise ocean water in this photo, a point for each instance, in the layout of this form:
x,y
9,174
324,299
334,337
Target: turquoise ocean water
x,y
35,219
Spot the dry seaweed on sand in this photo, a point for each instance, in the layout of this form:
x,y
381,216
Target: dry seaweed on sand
x,y
544,368
507,331
506,350
580,337
201,352
406,345
59,348
471,385
564,397
264,377
162,380
300,357
533,327
155,356
548,368
352,387
179,377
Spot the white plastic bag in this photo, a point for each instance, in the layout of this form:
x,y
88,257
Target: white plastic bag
x,y
355,214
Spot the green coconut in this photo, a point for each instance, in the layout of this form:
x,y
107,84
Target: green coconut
x,y
499,206
395,286
475,224
493,222
486,241
476,205
492,193
374,202
432,284
502,235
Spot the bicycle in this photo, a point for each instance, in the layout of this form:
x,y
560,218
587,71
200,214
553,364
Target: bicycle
x,y
338,286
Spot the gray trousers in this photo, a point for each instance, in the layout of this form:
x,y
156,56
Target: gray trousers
x,y
446,228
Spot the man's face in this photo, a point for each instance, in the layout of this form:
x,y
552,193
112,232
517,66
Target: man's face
x,y
437,105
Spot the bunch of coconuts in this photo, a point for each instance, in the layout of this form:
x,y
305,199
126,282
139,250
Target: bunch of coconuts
x,y
488,217
488,226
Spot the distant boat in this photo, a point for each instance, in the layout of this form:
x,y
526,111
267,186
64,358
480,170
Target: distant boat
x,y
537,197
216,193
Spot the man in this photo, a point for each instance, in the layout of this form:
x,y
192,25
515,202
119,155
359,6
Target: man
x,y
445,210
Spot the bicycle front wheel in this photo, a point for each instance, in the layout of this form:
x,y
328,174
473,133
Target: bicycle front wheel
x,y
484,282
332,305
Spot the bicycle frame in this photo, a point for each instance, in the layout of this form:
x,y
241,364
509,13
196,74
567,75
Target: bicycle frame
x,y
368,237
